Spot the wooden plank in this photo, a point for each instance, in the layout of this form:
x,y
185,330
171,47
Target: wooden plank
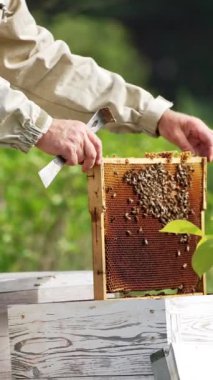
x,y
86,339
5,366
140,377
97,209
47,287
27,280
189,319
16,288
6,376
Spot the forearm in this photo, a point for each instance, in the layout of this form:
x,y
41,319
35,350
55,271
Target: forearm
x,y
69,86
22,123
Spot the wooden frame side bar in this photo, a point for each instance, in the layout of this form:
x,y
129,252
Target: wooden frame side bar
x,y
204,163
97,208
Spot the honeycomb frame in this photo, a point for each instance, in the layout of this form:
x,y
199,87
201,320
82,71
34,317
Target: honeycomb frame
x,y
127,241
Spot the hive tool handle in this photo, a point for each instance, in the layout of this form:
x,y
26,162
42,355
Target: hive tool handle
x,y
50,171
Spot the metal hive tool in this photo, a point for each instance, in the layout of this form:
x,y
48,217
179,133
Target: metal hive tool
x,y
50,171
130,200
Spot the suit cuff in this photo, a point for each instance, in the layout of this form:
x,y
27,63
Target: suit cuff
x,y
152,114
33,131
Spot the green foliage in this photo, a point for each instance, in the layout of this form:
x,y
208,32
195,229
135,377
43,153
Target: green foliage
x,y
182,227
178,56
190,105
41,229
202,259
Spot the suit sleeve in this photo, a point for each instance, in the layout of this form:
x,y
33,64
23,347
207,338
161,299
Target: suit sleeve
x,y
66,85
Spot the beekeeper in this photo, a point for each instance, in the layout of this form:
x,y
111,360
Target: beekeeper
x,y
47,94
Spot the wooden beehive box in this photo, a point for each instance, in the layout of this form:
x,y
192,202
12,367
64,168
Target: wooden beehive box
x,y
130,200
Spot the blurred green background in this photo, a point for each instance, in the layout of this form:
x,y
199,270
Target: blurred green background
x,y
164,47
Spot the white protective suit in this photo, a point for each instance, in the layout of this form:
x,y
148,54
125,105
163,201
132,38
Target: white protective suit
x,y
41,79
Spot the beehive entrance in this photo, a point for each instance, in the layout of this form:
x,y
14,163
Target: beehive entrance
x,y
140,197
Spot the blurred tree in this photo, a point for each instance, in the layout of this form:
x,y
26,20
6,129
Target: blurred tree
x,y
108,42
174,38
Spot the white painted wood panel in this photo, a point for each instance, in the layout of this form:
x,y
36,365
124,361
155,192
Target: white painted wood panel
x,y
86,339
193,361
190,319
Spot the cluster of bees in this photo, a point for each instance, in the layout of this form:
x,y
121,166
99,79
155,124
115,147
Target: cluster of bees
x,y
161,194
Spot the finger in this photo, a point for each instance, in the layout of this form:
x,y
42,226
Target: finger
x,y
90,155
181,140
210,156
208,144
207,152
81,157
72,157
98,146
202,142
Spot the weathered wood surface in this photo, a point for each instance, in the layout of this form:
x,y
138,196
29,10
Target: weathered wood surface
x,y
95,378
86,339
32,287
80,339
91,378
5,367
45,287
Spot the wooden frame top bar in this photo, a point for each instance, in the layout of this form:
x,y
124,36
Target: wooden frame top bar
x,y
154,160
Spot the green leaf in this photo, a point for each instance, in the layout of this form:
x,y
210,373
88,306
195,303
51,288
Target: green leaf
x,y
180,226
204,239
202,259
